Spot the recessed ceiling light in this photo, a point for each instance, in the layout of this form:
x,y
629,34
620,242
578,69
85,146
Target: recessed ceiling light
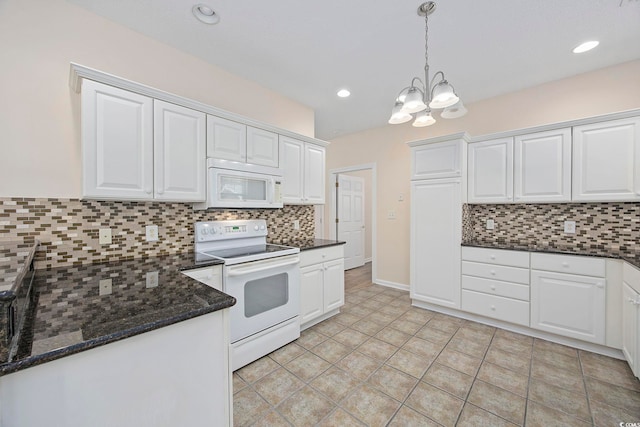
x,y
343,93
205,14
586,46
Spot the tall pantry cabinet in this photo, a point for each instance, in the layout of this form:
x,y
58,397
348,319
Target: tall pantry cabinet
x,y
438,190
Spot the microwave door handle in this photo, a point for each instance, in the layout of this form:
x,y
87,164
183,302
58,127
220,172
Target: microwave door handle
x,y
271,190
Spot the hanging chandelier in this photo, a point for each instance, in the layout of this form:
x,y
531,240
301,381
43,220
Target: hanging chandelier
x,y
418,99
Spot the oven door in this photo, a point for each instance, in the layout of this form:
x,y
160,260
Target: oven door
x,y
238,189
267,293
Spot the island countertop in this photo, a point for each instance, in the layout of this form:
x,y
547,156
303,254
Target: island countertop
x,y
78,308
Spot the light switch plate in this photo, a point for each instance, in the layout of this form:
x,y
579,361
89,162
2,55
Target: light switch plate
x,y
296,224
151,232
104,236
570,227
491,224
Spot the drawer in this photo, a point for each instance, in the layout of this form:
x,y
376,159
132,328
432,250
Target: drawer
x,y
496,256
631,276
496,287
210,276
496,272
507,309
571,264
316,256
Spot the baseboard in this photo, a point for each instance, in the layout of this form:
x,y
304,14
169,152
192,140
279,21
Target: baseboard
x,y
571,342
393,285
367,260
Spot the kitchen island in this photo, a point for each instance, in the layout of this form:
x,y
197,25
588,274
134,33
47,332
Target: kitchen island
x,y
129,343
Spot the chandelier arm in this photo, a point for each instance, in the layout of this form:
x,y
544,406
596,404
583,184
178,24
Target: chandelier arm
x,y
434,79
400,93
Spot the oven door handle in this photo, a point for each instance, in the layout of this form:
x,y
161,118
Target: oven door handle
x,y
257,266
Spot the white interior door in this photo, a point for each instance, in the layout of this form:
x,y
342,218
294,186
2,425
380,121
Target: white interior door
x,y
350,214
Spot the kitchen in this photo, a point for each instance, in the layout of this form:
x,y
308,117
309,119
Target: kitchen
x,y
53,34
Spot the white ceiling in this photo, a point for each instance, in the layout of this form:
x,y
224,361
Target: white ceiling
x,y
308,50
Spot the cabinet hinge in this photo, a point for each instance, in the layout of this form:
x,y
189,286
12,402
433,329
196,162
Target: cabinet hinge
x,y
337,220
337,185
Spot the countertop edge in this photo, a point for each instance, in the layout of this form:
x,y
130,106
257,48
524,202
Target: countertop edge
x,y
12,367
626,258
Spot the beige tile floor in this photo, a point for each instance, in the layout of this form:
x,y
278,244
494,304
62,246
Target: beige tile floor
x,y
382,362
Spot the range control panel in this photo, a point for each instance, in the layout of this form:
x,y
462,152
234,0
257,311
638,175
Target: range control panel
x,y
207,231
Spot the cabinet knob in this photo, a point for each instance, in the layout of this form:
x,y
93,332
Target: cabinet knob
x,y
493,287
493,272
565,264
492,256
599,285
493,307
148,190
160,191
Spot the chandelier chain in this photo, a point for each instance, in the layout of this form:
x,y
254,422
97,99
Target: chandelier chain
x,y
427,89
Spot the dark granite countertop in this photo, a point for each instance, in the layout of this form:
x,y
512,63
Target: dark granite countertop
x,y
307,244
14,258
76,308
631,257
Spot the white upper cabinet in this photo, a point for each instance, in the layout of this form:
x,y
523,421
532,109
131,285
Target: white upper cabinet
x,y
441,160
490,166
262,147
606,161
314,165
117,143
226,139
292,155
229,140
179,153
542,167
303,172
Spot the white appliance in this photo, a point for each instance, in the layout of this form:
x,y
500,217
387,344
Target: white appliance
x,y
264,279
241,185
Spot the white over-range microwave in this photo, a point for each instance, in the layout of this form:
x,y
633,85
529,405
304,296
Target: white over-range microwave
x,y
239,185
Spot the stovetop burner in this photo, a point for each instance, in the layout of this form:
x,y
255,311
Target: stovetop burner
x,y
245,251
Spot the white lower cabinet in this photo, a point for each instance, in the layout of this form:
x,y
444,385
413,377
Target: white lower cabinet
x,y
495,284
321,284
571,305
631,317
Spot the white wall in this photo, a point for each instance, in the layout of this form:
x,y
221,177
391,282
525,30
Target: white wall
x,y
39,117
604,91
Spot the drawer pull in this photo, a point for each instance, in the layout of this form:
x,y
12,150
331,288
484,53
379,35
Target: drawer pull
x,y
565,264
493,307
493,287
492,257
493,272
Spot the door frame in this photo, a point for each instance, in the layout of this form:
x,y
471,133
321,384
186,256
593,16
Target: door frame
x,y
333,175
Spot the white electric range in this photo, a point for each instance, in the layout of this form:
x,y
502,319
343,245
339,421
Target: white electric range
x,y
264,279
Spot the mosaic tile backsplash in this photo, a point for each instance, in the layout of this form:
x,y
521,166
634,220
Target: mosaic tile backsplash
x,y
601,228
68,228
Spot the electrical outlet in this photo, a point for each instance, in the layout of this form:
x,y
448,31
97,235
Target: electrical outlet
x,y
570,227
296,224
491,224
391,214
151,233
152,279
104,236
105,287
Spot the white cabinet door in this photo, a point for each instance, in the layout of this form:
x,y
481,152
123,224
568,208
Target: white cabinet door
x,y
606,161
631,327
436,215
262,147
117,143
490,166
440,160
333,285
314,161
226,139
569,305
292,156
542,167
311,292
179,153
